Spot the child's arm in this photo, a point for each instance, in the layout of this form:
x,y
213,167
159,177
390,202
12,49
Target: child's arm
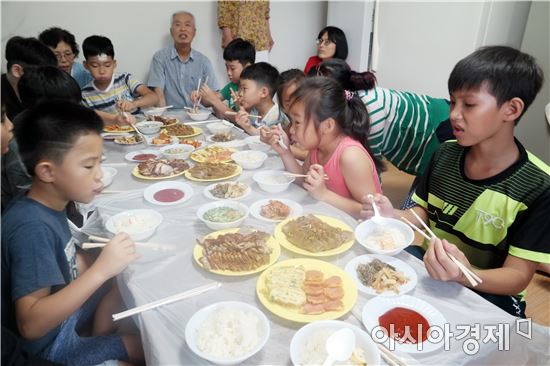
x,y
160,94
214,99
243,121
387,210
119,118
148,99
40,311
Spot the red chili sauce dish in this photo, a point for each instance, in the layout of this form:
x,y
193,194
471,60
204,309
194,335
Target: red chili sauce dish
x,y
169,195
409,327
144,157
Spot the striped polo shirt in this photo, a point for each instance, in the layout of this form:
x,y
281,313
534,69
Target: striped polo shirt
x,y
123,86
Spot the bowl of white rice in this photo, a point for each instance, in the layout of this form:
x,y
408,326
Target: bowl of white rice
x,y
227,332
139,224
308,344
272,181
390,238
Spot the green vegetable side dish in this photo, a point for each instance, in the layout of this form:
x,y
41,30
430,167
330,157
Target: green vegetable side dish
x,y
222,214
174,151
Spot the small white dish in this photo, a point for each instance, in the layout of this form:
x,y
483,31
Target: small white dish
x,y
201,115
369,228
199,318
273,181
154,111
149,127
209,194
108,175
400,266
139,156
218,204
169,190
379,305
234,144
307,332
218,127
114,135
256,207
139,224
249,159
254,143
177,151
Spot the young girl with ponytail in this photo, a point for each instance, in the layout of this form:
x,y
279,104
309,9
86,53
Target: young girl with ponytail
x,y
333,125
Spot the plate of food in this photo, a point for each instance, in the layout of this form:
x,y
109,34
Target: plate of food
x,y
306,290
168,193
139,156
163,140
314,235
166,121
226,140
383,314
275,210
227,191
197,144
128,140
377,274
160,169
213,154
308,344
182,130
212,172
236,252
116,128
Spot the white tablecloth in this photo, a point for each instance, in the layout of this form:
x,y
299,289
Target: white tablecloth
x,y
157,275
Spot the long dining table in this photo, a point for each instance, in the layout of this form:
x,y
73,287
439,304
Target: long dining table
x,y
159,274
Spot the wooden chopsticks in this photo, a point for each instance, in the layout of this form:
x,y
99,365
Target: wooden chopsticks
x,y
470,276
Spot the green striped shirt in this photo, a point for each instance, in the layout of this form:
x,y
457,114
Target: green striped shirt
x,y
403,126
489,219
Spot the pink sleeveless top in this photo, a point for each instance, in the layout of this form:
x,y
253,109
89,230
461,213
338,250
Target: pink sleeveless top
x,y
336,182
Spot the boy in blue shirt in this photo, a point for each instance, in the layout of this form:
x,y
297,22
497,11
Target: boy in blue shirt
x,y
485,193
237,55
44,297
109,93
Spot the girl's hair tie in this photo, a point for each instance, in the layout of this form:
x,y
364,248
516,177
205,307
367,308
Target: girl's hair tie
x,y
348,94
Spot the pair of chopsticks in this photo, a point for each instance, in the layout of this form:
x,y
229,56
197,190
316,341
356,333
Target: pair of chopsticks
x,y
470,276
198,100
232,113
288,174
166,300
389,357
101,242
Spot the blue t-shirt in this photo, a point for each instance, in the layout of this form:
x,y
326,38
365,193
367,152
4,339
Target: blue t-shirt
x,y
37,253
80,74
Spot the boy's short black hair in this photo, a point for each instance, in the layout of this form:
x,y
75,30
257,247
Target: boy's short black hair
x,y
97,45
338,37
45,83
507,72
240,50
264,74
49,130
52,36
28,52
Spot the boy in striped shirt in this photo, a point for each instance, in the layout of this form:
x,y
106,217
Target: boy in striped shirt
x,y
109,93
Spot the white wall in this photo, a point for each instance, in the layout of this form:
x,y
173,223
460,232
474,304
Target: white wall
x,y
533,130
138,29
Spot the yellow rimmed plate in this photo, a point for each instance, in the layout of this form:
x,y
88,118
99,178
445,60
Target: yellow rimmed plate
x,y
196,131
135,173
119,129
281,238
271,242
202,155
295,314
237,171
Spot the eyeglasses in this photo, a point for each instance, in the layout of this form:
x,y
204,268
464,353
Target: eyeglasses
x,y
67,56
324,42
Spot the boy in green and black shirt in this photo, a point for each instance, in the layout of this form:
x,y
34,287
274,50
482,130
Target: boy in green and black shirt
x,y
238,54
484,193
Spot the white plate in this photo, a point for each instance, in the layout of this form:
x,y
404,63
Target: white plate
x,y
108,175
114,135
192,327
400,266
235,144
362,340
209,195
131,154
379,305
295,208
149,192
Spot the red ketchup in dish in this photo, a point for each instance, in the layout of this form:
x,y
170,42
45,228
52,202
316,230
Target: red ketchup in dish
x,y
143,157
168,195
403,318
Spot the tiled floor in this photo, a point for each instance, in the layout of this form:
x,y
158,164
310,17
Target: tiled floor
x,y
396,184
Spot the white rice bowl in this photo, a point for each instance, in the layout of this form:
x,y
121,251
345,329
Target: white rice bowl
x,y
227,333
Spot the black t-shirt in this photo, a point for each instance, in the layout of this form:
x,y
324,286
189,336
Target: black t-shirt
x,y
10,99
